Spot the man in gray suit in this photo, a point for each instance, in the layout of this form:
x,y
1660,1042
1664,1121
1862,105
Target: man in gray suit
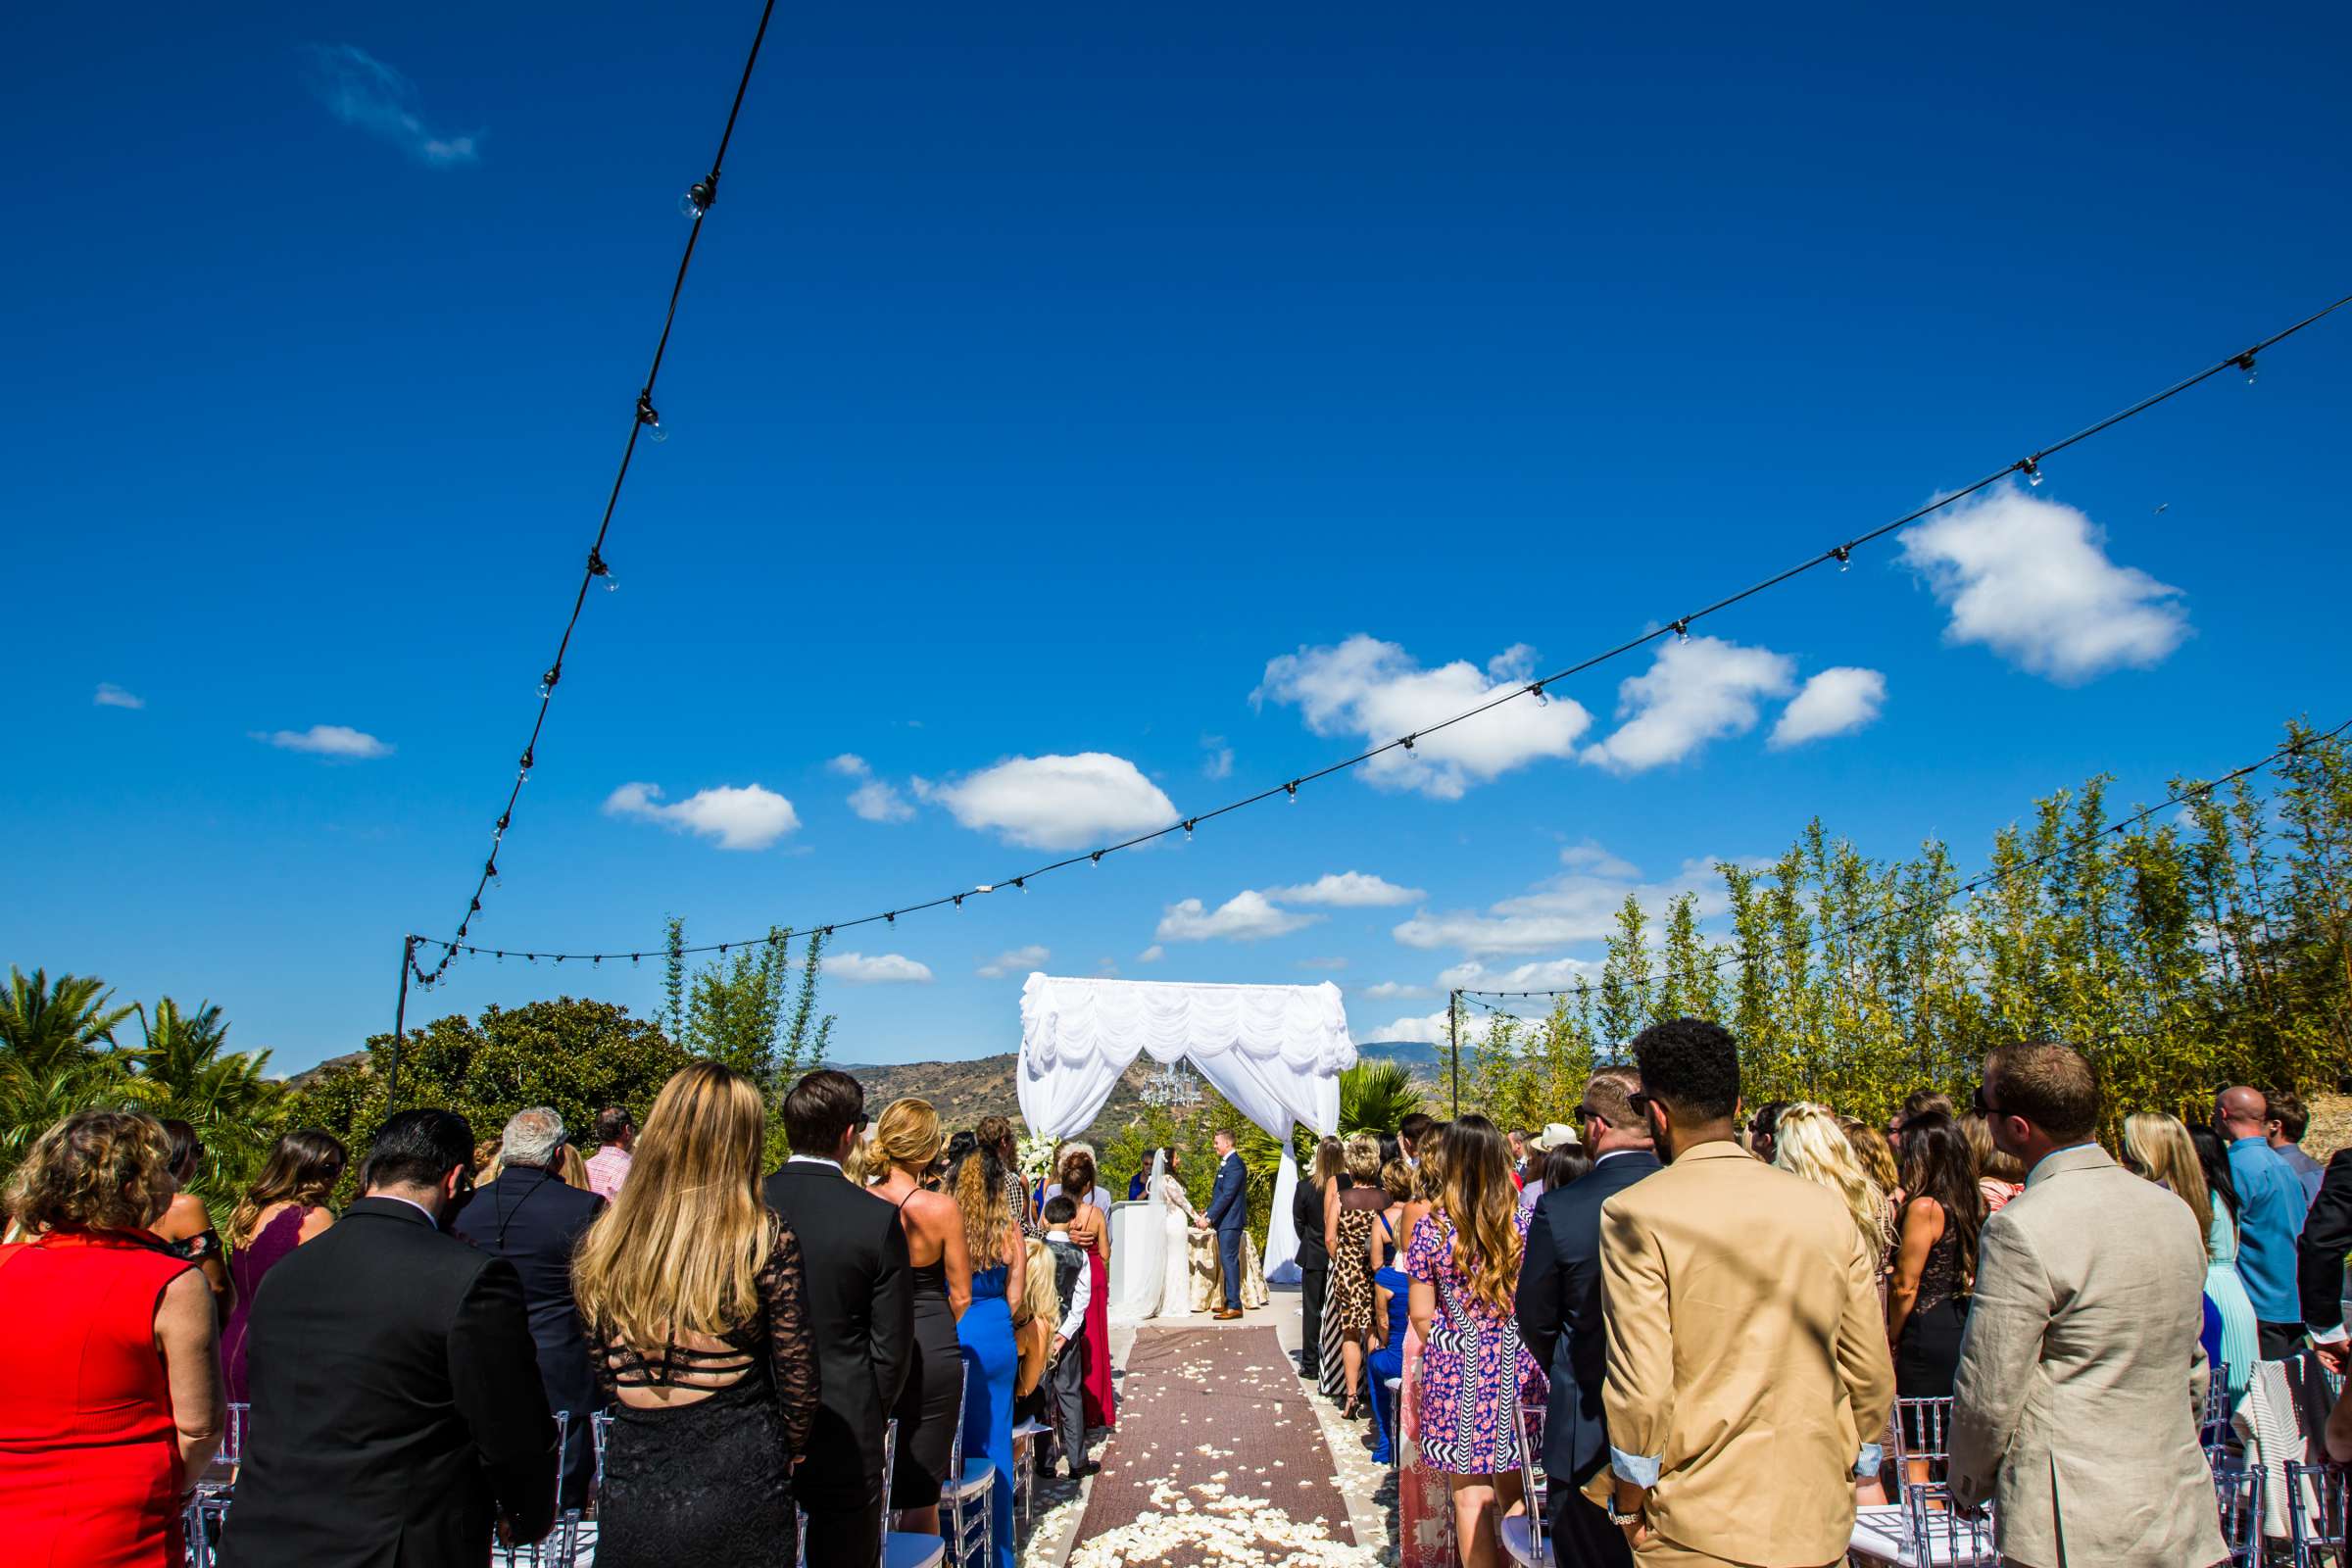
x,y
2081,1375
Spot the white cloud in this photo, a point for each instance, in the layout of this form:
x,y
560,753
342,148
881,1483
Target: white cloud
x,y
878,801
883,968
1020,961
327,740
1219,762
1591,856
1152,954
738,816
1377,690
849,764
111,695
362,91
1347,890
1578,906
1547,975
1836,701
1432,1028
1696,690
2032,581
1056,802
1390,989
1247,916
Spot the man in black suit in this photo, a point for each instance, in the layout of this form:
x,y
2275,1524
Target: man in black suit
x,y
530,1218
2319,1253
860,1308
398,1417
1561,1316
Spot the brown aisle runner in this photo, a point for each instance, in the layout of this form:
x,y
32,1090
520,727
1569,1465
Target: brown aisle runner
x,y
1218,1461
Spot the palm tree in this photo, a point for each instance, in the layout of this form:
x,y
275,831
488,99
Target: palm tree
x,y
182,1068
1375,1097
46,1027
50,1064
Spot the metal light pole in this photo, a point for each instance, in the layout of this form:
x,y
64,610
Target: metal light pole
x,y
1454,1038
400,1022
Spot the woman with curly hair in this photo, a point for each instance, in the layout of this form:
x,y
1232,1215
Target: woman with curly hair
x,y
992,1238
284,1208
111,1361
1463,1262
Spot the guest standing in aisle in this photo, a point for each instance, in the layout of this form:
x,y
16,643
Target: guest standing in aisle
x,y
999,1276
860,1312
907,1141
1067,1373
1350,1216
284,1208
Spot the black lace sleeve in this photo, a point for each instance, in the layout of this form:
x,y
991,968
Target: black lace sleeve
x,y
791,1345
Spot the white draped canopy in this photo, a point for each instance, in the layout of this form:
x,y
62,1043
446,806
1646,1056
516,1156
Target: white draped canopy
x,y
1276,1053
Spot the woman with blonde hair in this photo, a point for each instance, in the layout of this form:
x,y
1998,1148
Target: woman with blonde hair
x,y
284,1208
695,1302
1875,1160
111,1359
907,1139
1808,1141
2163,1150
992,1237
1463,1261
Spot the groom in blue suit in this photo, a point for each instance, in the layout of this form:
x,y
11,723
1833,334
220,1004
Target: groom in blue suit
x,y
1228,1212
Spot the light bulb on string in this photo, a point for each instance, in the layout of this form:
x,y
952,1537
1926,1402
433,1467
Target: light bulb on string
x,y
649,416
1095,858
2245,363
1536,690
1292,791
598,568
1846,557
1682,629
2031,469
698,198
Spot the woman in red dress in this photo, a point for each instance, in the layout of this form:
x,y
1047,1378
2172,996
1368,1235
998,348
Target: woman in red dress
x,y
111,1362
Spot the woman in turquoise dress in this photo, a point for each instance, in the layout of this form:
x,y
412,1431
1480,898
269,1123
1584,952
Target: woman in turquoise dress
x,y
1000,1277
2241,1335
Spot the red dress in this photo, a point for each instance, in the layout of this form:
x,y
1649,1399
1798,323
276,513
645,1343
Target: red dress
x,y
89,1457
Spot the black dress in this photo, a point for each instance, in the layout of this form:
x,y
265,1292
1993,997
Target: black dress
x,y
711,1481
1927,1358
931,1402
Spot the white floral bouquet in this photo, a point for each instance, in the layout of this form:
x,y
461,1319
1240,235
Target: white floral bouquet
x,y
1036,1156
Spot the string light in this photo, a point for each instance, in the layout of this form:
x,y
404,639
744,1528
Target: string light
x,y
1841,553
2245,363
697,202
2032,470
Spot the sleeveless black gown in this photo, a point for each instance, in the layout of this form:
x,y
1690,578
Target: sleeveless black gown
x,y
931,1404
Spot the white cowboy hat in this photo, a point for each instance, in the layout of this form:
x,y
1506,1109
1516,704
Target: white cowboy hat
x,y
1557,1134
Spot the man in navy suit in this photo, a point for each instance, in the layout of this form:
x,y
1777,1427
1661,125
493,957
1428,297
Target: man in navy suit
x,y
1561,1316
533,1221
1228,1212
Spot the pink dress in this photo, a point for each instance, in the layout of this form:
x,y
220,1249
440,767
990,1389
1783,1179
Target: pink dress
x,y
1474,1371
1424,1501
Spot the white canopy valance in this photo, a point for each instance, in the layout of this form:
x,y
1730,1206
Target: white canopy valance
x,y
1276,1053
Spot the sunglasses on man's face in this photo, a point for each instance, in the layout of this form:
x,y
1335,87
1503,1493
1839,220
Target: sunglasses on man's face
x,y
1983,1104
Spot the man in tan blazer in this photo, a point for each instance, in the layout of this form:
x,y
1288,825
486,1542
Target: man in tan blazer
x,y
2081,1375
1748,1377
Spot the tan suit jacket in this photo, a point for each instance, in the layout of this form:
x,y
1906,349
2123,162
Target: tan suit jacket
x,y
2081,1374
1746,1357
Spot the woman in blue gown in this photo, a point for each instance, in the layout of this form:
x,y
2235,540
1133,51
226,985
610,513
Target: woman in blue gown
x,y
1000,1277
1393,1293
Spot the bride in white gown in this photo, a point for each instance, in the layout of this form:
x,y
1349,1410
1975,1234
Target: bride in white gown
x,y
1176,1279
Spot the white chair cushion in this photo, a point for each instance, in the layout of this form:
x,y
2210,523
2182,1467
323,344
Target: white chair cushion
x,y
1519,1541
902,1549
978,1476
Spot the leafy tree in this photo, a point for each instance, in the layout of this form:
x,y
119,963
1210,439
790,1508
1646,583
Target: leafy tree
x,y
1375,1097
182,1067
51,1064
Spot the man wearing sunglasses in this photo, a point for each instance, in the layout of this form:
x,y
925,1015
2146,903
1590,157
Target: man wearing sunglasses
x,y
2073,1406
1748,1377
1561,1316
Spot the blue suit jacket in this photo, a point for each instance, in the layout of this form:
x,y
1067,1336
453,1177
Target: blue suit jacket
x,y
1228,1203
1561,1311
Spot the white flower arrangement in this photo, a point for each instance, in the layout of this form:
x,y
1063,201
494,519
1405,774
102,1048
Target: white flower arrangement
x,y
1036,1156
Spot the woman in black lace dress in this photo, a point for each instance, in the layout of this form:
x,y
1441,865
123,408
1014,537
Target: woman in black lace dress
x,y
696,1305
1935,1260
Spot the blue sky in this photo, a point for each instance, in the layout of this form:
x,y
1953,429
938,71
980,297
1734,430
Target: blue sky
x,y
1179,393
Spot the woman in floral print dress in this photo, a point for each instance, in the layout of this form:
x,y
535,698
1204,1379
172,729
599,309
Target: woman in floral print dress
x,y
1464,1265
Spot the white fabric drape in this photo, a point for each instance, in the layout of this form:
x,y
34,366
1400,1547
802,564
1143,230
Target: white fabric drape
x,y
1276,1053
